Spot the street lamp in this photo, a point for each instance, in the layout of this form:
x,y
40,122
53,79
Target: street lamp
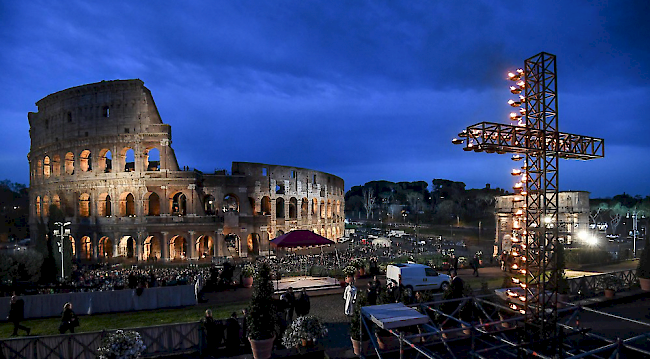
x,y
635,216
62,232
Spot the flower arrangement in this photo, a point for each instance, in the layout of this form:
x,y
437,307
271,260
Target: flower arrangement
x,y
350,271
609,281
307,327
248,270
358,263
122,344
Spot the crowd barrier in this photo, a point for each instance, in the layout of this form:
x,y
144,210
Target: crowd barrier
x,y
86,303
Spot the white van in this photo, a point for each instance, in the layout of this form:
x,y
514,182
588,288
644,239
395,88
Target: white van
x,y
415,277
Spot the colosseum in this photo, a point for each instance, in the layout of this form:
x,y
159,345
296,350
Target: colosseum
x,y
102,155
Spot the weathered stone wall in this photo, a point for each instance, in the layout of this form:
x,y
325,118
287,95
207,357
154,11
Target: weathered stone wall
x,y
101,154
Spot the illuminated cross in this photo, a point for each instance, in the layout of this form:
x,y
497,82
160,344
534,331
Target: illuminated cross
x,y
536,135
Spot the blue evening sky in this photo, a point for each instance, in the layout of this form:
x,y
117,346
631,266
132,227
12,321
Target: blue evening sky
x,y
365,90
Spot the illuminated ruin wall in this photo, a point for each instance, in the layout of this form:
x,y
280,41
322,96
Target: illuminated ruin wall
x,y
102,155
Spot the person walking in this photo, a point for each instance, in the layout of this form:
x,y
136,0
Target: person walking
x,y
69,319
17,314
454,262
213,330
456,286
232,335
475,265
302,303
350,296
504,258
289,299
372,293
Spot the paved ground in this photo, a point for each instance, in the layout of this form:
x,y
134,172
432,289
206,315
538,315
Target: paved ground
x,y
328,304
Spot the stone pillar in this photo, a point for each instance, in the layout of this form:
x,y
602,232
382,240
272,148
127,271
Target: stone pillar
x,y
116,244
95,245
219,243
164,202
164,246
138,246
192,211
191,245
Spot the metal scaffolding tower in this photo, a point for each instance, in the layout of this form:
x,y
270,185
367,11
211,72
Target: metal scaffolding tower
x,y
536,136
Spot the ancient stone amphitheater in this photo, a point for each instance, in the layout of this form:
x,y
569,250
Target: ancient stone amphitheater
x,y
102,155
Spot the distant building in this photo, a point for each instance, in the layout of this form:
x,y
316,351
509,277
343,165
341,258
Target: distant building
x,y
573,216
102,155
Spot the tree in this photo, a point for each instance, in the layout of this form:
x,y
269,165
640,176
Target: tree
x,y
369,200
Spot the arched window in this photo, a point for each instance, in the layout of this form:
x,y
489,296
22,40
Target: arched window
x,y
279,207
293,208
304,207
105,160
266,205
153,204
129,160
209,206
46,167
179,204
322,209
56,166
46,206
39,169
84,205
69,163
106,111
56,200
104,205
314,207
38,206
130,205
230,203
153,160
85,161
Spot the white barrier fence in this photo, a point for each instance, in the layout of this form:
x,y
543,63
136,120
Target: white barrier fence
x,y
86,303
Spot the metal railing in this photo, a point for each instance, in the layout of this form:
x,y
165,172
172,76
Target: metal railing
x,y
594,284
159,340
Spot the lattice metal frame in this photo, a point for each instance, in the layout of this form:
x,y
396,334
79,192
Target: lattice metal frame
x,y
539,139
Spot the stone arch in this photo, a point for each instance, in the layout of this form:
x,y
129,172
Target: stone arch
x,y
85,161
56,200
127,205
338,208
293,208
126,247
152,204
179,204
230,203
322,209
266,205
86,250
233,244
253,244
251,201
177,248
105,160
84,205
56,165
104,207
105,248
69,163
47,167
328,233
279,207
38,206
329,208
322,232
204,246
39,169
314,207
46,206
73,245
151,248
304,207
129,159
153,159
209,205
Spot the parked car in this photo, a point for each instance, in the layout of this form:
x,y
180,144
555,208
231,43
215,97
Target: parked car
x,y
412,277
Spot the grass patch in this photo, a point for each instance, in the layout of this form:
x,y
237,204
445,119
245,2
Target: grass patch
x,y
97,322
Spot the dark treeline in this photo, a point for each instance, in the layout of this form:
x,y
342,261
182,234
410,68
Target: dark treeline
x,y
14,200
448,202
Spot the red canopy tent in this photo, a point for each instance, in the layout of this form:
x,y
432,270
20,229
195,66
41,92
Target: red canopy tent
x,y
300,238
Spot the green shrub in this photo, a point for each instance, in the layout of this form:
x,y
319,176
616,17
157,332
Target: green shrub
x,y
261,317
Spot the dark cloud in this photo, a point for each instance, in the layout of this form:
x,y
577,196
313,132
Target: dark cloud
x,y
362,89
